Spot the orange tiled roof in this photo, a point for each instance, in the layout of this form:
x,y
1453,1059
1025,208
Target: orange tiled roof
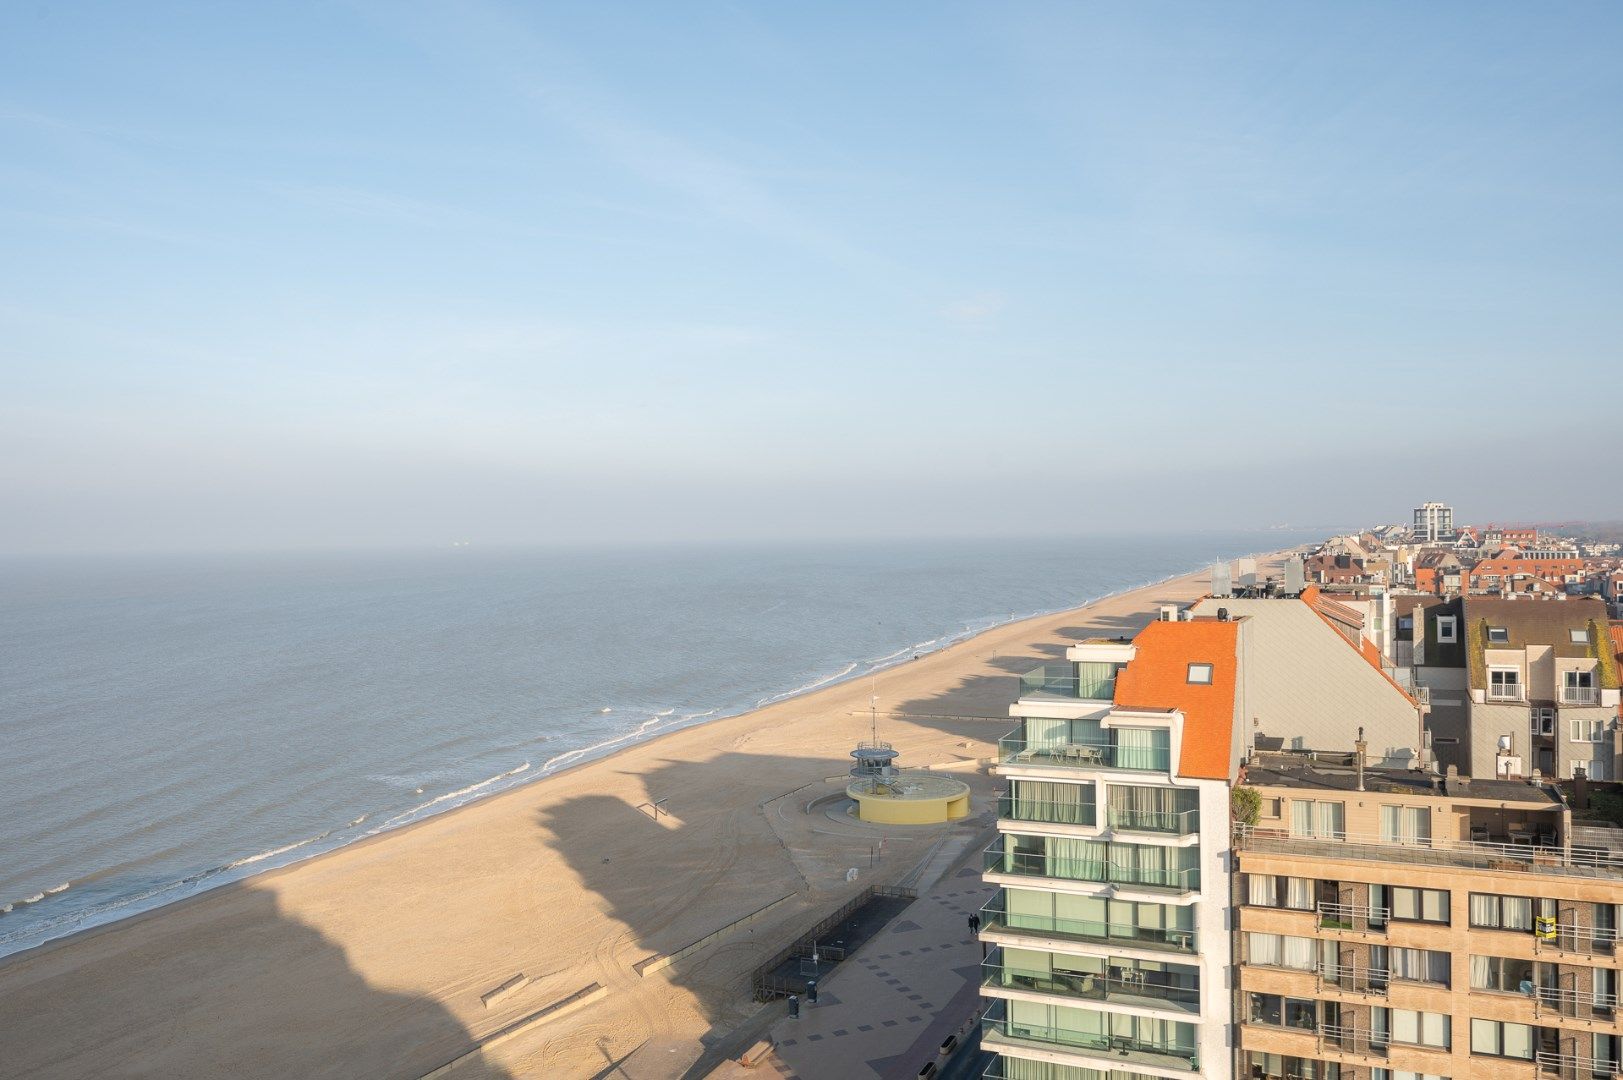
x,y
1158,678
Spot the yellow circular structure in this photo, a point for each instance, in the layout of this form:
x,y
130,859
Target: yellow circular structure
x,y
909,799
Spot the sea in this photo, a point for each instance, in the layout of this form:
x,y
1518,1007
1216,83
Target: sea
x,y
169,724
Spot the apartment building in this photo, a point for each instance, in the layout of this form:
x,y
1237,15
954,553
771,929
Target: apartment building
x,y
1542,687
1433,523
1400,926
1110,947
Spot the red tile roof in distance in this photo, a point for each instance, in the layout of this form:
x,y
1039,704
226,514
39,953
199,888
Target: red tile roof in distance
x,y
1158,678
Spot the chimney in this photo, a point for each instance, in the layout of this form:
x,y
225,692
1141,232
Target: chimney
x,y
1169,613
1222,614
1580,788
1359,746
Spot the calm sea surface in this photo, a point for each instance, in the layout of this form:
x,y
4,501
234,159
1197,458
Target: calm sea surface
x,y
170,724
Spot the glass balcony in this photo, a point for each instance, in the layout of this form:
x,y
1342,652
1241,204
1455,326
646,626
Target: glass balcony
x,y
995,916
1178,823
1012,750
998,861
1118,1049
1050,681
1125,985
1023,808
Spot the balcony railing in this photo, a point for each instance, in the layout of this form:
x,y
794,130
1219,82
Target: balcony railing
x,y
1177,822
999,861
1353,916
1589,940
1012,750
994,916
1120,1049
1462,854
1350,1040
1576,1066
1121,985
1022,808
1353,979
1049,680
1580,695
1569,1002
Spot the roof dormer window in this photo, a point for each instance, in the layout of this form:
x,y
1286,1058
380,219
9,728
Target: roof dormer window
x,y
1200,674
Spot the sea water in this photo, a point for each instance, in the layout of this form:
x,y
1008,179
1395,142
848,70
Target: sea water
x,y
168,724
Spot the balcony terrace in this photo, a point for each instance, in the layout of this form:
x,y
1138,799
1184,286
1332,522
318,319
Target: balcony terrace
x,y
995,917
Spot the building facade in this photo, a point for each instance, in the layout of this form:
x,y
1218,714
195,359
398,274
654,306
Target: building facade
x,y
1434,523
1109,941
1398,926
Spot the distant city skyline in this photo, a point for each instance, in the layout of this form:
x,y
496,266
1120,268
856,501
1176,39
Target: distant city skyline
x,y
379,275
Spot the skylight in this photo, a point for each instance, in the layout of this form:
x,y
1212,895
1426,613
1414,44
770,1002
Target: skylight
x,y
1498,633
1201,674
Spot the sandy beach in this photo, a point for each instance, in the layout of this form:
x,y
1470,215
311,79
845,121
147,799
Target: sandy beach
x,y
501,939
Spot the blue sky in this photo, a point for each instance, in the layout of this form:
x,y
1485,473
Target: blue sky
x,y
335,275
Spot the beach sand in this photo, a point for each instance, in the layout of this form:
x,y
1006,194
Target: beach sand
x,y
437,945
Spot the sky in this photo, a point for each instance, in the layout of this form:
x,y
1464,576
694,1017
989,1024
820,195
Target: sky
x,y
339,275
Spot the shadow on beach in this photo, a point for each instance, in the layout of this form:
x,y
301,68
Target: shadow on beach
x,y
252,994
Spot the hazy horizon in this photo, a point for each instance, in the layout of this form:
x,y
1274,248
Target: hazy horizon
x,y
384,276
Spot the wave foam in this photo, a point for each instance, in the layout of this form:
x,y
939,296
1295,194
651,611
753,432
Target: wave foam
x,y
436,800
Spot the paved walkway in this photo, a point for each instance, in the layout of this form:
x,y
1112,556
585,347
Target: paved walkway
x,y
884,1012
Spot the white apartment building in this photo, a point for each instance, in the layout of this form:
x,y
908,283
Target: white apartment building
x,y
1110,946
1434,523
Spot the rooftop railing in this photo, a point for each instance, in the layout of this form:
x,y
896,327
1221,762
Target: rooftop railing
x,y
1169,1054
999,861
1013,750
1177,822
1122,985
1461,854
995,916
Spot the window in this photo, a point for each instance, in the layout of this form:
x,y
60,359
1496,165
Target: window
x,y
1277,1011
1588,730
1579,637
1498,634
1200,674
1491,912
1413,1027
1505,683
1447,632
1501,1039
1403,1074
1298,953
1318,819
1412,965
1502,975
1543,721
1578,688
1417,905
1266,890
1406,825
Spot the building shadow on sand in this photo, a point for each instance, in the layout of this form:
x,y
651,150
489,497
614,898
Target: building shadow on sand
x,y
279,1000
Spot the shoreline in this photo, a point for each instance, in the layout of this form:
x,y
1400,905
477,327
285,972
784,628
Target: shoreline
x,y
383,955
587,756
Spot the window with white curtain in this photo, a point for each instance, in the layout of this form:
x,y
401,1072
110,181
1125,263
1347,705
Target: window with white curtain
x,y
1406,825
1299,894
1501,912
1414,965
1275,950
1265,949
1318,819
1502,1039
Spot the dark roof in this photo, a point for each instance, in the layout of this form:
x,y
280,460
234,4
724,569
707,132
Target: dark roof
x,y
1338,773
1539,622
